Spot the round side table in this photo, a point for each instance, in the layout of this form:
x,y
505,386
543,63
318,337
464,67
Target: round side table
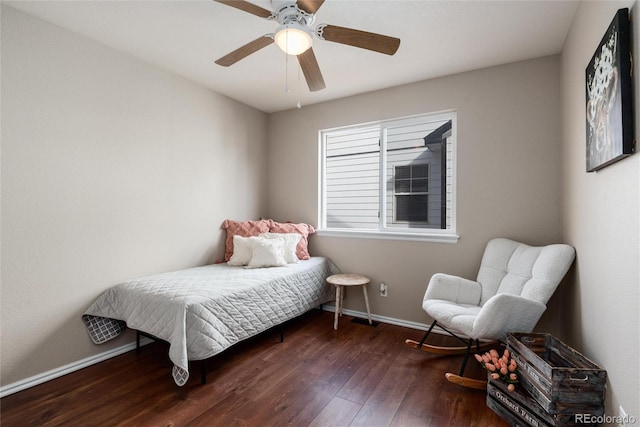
x,y
340,281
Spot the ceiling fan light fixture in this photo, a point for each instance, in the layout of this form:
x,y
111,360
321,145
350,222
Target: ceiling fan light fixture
x,y
293,38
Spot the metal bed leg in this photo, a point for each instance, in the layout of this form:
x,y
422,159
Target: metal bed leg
x,y
203,371
137,342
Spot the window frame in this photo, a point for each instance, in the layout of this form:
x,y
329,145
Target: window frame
x,y
410,193
448,235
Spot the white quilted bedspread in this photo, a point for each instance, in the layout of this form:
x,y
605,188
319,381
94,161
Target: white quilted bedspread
x,y
204,310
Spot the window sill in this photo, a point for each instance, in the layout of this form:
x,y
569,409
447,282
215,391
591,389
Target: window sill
x,y
391,235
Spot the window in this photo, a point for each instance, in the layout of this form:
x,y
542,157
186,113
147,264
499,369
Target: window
x,y
393,178
411,193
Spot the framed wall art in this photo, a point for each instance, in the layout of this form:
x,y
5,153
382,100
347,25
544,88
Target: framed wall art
x,y
609,107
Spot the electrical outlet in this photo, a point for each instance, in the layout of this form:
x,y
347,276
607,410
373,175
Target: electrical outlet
x,y
383,289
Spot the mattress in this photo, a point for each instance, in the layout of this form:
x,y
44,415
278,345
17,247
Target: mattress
x,y
202,311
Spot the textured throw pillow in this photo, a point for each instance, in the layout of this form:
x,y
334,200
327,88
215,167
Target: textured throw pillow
x,y
290,241
266,253
241,250
304,230
244,229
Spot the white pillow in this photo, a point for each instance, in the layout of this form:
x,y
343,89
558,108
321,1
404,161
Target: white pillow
x,y
290,243
266,253
241,251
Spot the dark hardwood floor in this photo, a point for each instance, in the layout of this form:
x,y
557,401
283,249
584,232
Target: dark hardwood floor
x,y
357,376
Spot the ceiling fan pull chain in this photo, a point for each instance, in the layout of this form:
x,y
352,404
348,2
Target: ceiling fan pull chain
x,y
286,73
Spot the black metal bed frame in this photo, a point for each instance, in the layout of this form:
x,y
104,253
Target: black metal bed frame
x,y
203,362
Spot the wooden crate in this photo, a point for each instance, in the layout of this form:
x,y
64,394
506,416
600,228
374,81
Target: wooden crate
x,y
518,408
559,378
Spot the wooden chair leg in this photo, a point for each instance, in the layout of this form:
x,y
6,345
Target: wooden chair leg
x,y
335,318
366,302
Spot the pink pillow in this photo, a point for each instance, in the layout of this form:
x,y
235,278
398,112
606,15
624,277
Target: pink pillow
x,y
243,229
304,230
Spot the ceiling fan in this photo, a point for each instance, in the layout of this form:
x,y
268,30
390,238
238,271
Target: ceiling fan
x,y
294,36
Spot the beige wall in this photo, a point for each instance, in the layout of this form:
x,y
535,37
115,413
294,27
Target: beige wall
x,y
602,220
508,174
111,169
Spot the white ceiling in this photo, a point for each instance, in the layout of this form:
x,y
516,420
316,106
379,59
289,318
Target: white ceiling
x,y
439,37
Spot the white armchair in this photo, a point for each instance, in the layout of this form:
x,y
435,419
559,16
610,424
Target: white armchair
x,y
514,284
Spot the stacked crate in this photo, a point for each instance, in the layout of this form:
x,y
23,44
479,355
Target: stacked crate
x,y
558,386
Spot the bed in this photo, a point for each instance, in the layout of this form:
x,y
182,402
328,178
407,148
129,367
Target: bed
x,y
202,311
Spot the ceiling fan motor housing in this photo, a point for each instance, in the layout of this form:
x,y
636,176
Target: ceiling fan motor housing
x,y
286,12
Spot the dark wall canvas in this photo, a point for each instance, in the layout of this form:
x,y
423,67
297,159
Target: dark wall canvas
x,y
609,97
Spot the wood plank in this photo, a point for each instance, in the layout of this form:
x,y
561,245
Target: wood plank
x,y
418,404
339,412
386,398
317,376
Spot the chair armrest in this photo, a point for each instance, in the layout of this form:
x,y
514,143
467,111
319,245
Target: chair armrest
x,y
503,313
453,288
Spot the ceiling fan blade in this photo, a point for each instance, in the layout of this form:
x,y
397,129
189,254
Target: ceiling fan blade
x,y
362,39
309,6
311,70
247,7
246,50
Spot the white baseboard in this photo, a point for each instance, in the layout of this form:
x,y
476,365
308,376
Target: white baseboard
x,y
67,369
398,322
389,320
75,366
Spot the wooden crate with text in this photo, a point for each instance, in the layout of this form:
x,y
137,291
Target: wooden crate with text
x,y
518,408
559,378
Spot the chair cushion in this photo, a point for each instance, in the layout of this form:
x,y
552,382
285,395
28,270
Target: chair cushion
x,y
459,317
510,267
